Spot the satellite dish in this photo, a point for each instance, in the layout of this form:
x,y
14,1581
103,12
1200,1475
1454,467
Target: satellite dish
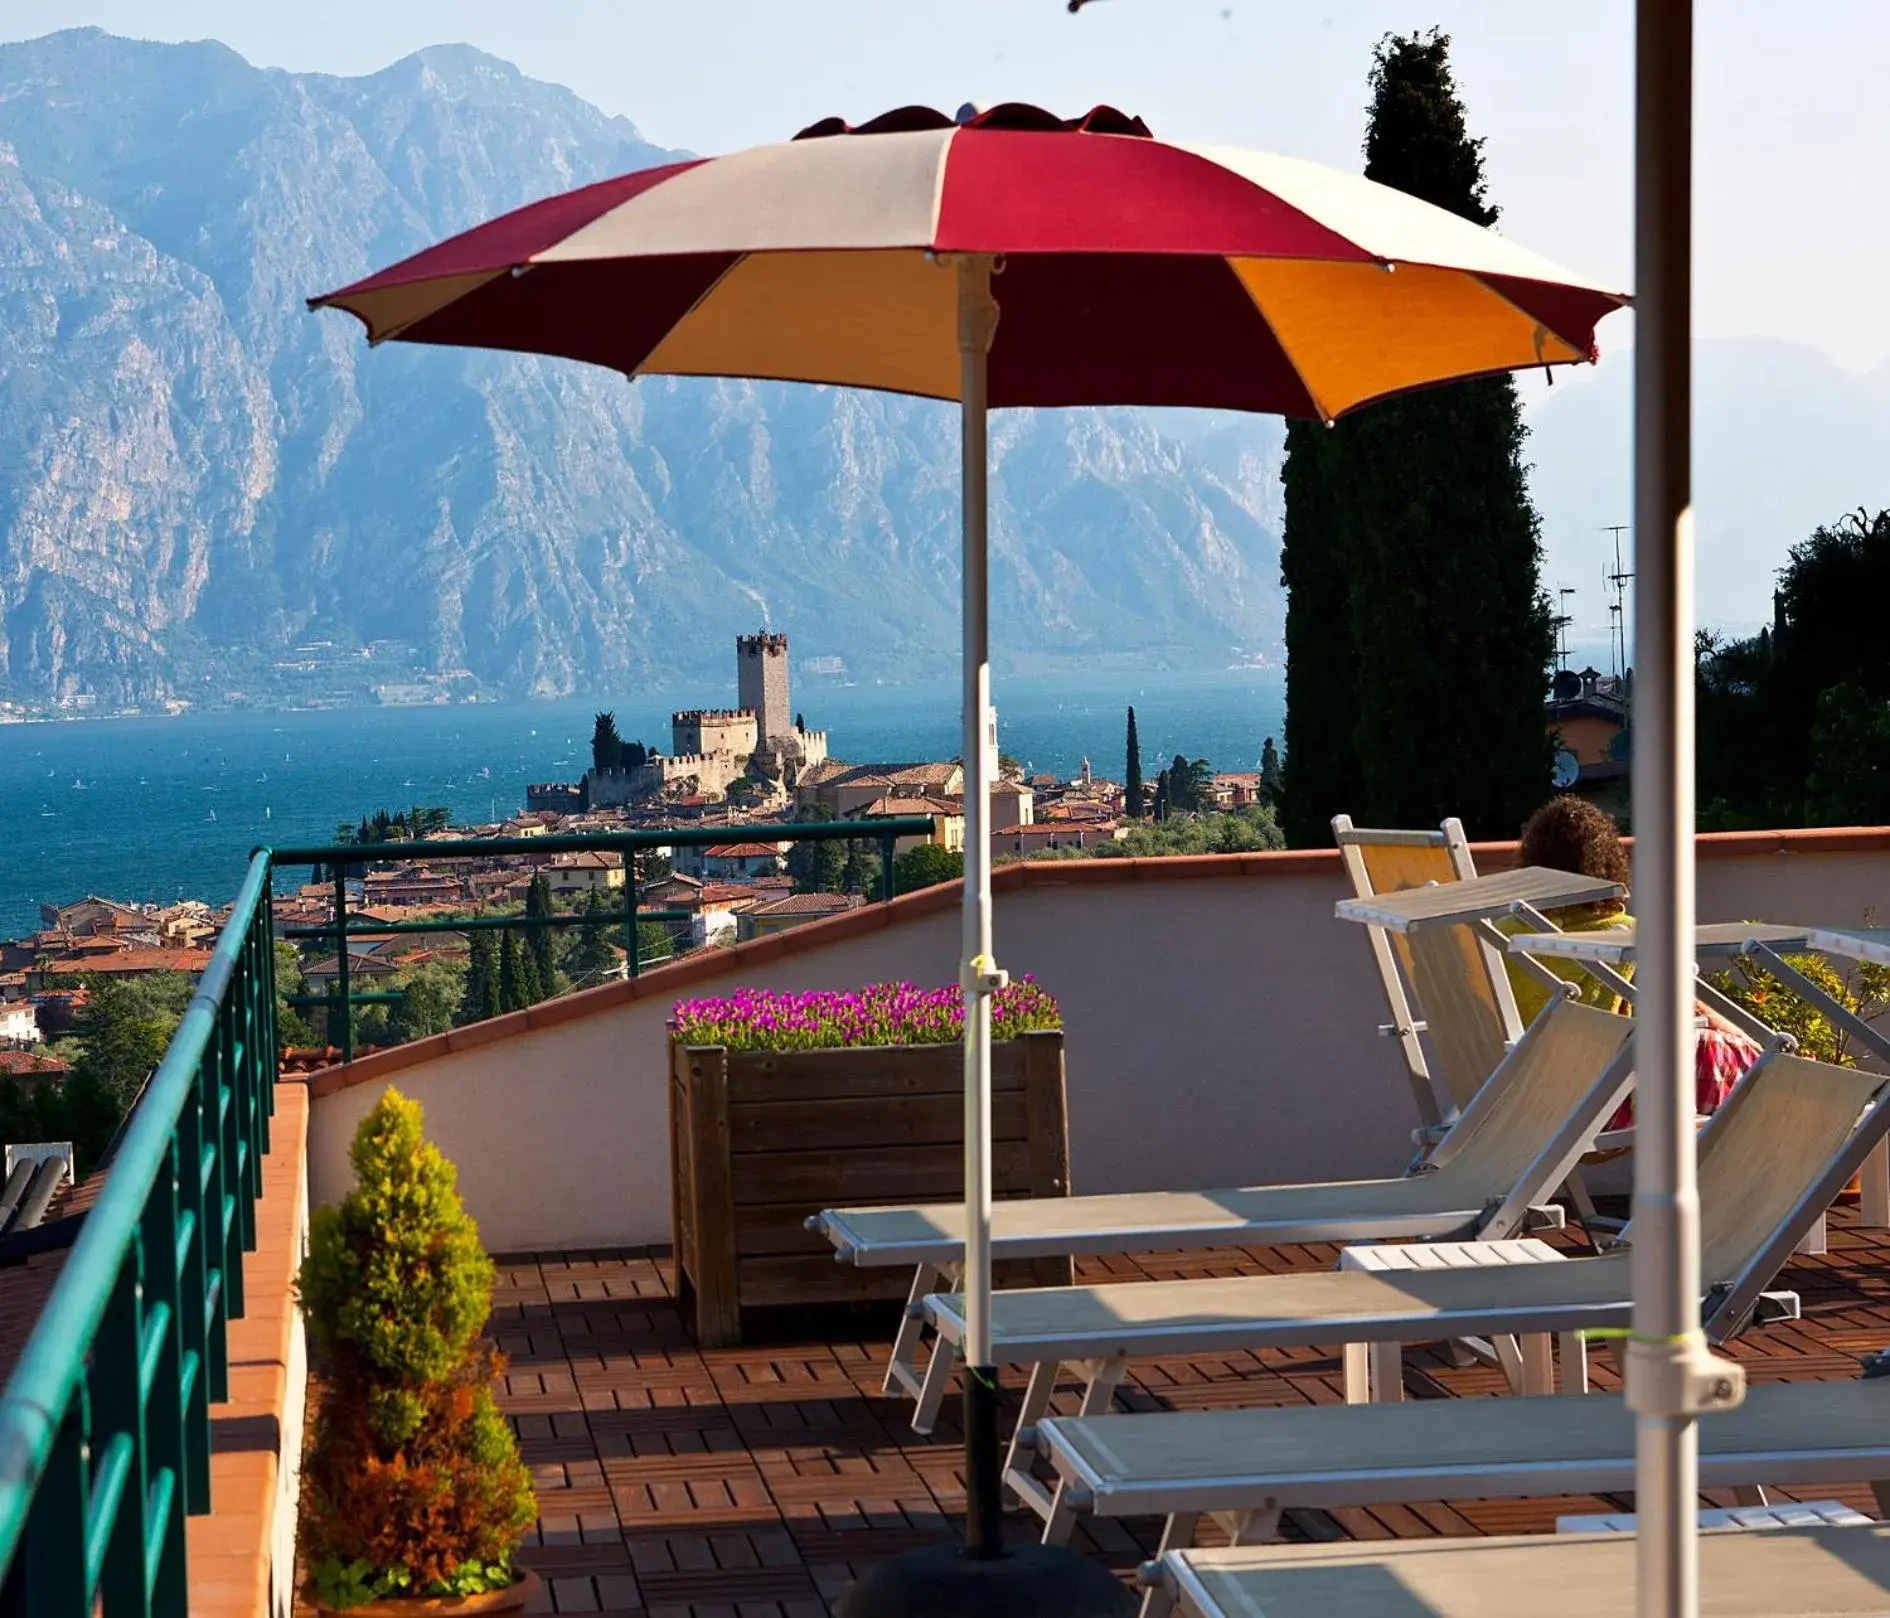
x,y
1568,770
1567,687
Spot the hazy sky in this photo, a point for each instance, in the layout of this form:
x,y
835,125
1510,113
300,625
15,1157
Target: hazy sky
x,y
1793,127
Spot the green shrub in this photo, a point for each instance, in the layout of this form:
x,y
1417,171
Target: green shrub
x,y
1862,990
413,1482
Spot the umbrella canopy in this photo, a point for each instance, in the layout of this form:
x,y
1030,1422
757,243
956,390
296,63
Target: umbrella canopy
x,y
1134,271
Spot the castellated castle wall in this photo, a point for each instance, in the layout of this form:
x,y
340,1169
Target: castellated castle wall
x,y
714,730
813,748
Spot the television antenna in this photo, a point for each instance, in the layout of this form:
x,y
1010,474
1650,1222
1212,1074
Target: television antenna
x,y
1561,621
1616,583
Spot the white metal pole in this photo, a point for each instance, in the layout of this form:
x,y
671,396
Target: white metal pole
x,y
1665,1348
977,324
977,316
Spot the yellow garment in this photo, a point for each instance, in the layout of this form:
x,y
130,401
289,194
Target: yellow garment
x,y
1531,994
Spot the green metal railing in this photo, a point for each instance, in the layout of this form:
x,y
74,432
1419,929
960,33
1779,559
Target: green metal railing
x,y
105,1422
340,1001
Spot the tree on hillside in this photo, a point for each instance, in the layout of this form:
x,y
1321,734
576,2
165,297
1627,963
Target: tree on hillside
x,y
1132,774
926,866
511,993
606,744
518,973
591,958
1270,774
481,997
1188,782
1420,504
860,871
429,995
1160,809
816,867
1794,722
542,941
292,1028
1249,829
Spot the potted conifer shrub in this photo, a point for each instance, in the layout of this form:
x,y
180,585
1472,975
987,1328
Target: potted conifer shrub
x,y
413,1494
782,1104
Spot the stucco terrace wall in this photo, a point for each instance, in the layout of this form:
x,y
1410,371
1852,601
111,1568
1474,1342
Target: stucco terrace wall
x,y
1220,1029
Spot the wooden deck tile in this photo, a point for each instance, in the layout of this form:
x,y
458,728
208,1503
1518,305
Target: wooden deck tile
x,y
761,1481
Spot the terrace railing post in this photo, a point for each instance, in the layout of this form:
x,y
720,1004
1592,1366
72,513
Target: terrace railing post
x,y
343,1005
630,911
888,880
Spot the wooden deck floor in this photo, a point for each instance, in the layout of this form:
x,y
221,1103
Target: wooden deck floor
x,y
758,1482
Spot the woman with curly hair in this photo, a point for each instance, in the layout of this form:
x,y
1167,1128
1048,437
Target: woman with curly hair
x,y
1570,834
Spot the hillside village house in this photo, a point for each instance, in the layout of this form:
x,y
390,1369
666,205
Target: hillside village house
x,y
731,862
29,1069
585,872
795,910
130,960
1023,841
18,1024
947,815
842,789
367,969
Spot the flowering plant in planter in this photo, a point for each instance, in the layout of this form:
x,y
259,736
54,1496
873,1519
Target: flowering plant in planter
x,y
412,1487
832,1019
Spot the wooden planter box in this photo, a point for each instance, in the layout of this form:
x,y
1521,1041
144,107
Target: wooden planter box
x,y
759,1140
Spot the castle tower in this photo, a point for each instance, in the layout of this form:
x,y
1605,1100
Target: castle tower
x,y
761,684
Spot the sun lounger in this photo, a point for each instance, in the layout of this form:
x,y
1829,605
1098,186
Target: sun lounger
x,y
1832,1572
1490,1178
1770,1162
1242,1468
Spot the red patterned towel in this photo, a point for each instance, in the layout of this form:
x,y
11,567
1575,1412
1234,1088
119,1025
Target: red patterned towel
x,y
1720,1061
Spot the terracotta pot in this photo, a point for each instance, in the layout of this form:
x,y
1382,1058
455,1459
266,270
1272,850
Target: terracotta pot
x,y
490,1605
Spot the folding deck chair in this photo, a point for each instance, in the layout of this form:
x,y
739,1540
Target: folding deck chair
x,y
1833,1572
1489,1178
1455,974
1770,1162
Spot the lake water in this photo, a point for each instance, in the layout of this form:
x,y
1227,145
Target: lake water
x,y
170,808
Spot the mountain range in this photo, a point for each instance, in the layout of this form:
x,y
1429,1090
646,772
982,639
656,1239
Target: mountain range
x,y
204,488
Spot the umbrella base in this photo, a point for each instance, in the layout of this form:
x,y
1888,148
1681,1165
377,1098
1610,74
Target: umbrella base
x,y
1023,1581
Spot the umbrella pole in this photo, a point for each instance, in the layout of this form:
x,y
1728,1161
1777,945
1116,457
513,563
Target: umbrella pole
x,y
1672,1376
977,324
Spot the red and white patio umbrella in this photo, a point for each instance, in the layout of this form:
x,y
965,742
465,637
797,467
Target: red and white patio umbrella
x,y
1000,258
1133,271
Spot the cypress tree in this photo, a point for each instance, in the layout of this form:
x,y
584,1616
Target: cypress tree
x,y
511,986
606,744
540,941
1321,672
1423,697
1161,796
1270,774
1132,774
1451,628
481,996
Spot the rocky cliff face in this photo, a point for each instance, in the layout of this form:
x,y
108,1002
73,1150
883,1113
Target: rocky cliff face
x,y
199,476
